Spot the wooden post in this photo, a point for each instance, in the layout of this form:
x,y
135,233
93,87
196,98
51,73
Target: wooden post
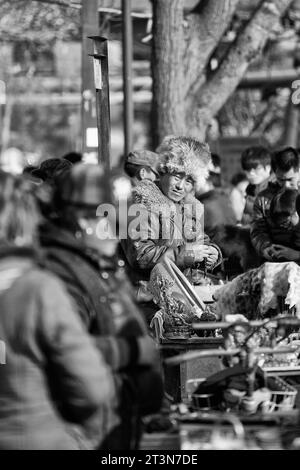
x,y
100,60
127,75
2,353
90,27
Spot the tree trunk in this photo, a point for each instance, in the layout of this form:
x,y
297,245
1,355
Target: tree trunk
x,y
181,50
5,138
185,100
167,71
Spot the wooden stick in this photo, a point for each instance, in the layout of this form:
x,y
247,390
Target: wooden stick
x,y
190,355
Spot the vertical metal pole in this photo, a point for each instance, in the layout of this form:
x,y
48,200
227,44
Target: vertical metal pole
x,y
90,27
102,99
127,75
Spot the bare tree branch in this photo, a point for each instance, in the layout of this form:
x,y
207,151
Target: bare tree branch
x,y
38,21
60,3
248,45
205,27
261,121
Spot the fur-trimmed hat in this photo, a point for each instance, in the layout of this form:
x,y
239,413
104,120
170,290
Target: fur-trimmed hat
x,y
184,155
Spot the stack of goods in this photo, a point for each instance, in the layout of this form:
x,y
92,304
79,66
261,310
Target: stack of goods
x,y
177,309
175,315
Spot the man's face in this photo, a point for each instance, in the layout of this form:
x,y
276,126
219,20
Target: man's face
x,y
288,179
176,186
258,174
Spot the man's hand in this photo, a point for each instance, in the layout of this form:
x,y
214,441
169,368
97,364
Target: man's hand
x,y
288,254
212,257
269,253
210,253
200,252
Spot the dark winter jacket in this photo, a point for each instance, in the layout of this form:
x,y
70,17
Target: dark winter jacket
x,y
264,232
53,374
101,292
252,191
102,295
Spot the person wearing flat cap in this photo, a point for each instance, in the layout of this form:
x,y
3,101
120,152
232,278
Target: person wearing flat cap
x,y
173,225
142,165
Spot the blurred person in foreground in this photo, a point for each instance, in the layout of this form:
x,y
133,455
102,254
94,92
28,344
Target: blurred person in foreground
x,y
53,374
45,177
80,245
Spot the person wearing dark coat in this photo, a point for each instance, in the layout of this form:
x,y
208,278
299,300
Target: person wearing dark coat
x,y
53,381
86,262
264,232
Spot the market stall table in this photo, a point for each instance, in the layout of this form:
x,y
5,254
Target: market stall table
x,y
176,377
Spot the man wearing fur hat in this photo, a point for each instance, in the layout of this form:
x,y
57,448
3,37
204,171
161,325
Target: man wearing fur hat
x,y
173,225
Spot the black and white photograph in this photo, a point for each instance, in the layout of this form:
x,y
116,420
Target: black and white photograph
x,y
150,228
